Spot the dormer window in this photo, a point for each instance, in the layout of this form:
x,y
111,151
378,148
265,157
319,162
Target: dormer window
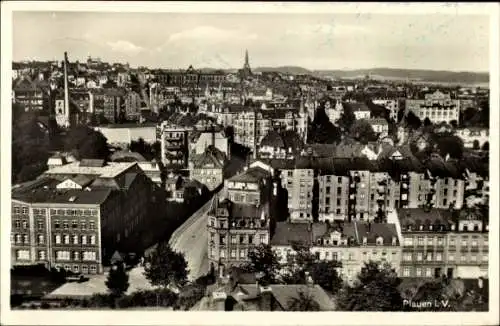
x,y
394,241
430,227
365,240
453,227
421,227
380,241
465,228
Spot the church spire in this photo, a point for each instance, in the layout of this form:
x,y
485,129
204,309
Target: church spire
x,y
247,63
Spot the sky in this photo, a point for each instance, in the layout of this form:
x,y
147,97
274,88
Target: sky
x,y
312,41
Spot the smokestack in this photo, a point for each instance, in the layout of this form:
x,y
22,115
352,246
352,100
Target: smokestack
x,y
66,95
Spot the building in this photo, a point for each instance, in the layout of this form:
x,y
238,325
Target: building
x,y
474,137
30,94
133,106
350,243
360,110
251,126
208,167
437,106
253,186
108,103
235,228
390,104
245,72
199,141
174,145
276,144
76,215
122,135
334,112
333,197
437,243
379,126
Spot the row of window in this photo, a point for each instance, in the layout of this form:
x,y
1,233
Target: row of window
x,y
233,253
242,239
42,211
91,225
75,239
76,255
439,257
431,241
84,269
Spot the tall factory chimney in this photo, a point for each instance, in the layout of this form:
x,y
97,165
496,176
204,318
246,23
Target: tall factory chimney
x,y
66,92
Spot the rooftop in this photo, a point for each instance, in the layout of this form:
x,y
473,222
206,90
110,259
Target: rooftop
x,y
253,174
110,170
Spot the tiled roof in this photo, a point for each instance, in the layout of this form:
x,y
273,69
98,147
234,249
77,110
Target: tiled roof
x,y
374,230
419,216
253,174
288,233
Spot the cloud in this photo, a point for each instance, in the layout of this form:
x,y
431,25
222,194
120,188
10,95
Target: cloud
x,y
210,33
125,47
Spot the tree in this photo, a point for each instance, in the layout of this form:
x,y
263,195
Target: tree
x,y
468,116
427,122
347,118
413,121
362,131
165,266
486,146
324,273
117,281
475,144
449,144
454,124
304,302
485,113
376,289
85,142
321,130
263,259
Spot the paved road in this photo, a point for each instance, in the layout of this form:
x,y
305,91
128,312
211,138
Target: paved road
x,y
192,240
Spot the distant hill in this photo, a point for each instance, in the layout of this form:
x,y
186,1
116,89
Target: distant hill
x,y
285,70
412,74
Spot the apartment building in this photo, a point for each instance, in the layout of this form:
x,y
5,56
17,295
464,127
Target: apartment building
x,y
468,246
438,107
108,103
253,186
350,243
333,196
30,94
390,104
208,167
250,127
76,215
174,145
233,230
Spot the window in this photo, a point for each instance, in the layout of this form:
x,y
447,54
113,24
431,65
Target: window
x,y
406,271
74,225
56,224
93,269
473,258
233,253
25,210
42,255
25,224
420,241
76,255
451,257
418,272
452,241
66,239
463,258
263,238
439,256
408,241
419,256
58,239
222,254
233,239
407,256
484,258
440,241
65,225
23,254
339,191
464,242
92,239
242,253
242,238
84,240
250,239
428,272
430,241
41,239
62,255
26,239
445,201
40,225
89,255
485,242
91,225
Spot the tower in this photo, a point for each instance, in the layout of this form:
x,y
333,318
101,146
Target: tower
x,y
246,71
62,106
247,62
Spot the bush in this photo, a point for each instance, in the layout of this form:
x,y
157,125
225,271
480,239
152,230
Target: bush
x,y
161,298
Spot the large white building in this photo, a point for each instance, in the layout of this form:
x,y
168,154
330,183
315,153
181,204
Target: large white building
x,y
437,106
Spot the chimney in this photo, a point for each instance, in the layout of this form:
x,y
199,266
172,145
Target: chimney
x,y
66,95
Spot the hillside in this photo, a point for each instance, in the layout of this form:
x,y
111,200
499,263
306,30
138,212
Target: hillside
x,y
294,70
412,74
